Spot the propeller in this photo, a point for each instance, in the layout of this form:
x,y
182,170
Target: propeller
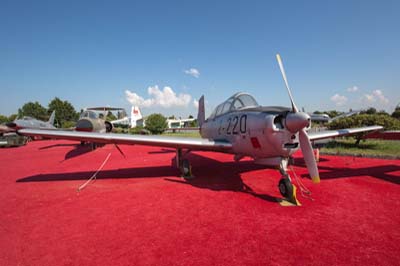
x,y
294,108
308,155
297,122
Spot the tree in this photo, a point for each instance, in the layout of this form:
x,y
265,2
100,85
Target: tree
x,y
4,119
35,110
193,123
396,113
369,111
388,122
156,123
12,117
65,112
110,116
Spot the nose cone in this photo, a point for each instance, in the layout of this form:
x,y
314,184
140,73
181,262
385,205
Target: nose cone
x,y
297,121
11,124
84,125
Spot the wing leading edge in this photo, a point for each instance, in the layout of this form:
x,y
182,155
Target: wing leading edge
x,y
341,132
161,141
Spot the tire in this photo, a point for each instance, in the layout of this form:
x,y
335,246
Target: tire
x,y
286,188
186,169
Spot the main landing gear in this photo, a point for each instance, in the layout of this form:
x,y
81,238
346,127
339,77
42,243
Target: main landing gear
x,y
183,165
286,188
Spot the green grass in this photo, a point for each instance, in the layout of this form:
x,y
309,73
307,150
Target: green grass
x,y
366,148
189,134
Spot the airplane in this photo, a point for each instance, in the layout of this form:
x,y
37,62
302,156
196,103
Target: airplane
x,y
132,121
179,123
28,122
327,119
92,121
239,126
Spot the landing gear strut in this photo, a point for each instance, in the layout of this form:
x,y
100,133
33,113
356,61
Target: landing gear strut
x,y
183,165
286,188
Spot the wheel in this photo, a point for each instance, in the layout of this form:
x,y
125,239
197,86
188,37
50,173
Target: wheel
x,y
286,187
186,168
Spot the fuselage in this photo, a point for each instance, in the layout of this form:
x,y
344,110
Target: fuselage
x,y
90,121
255,131
29,122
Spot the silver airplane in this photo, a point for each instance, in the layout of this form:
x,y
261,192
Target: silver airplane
x,y
239,126
28,122
92,121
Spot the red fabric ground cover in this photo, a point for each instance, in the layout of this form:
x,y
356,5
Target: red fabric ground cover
x,y
139,212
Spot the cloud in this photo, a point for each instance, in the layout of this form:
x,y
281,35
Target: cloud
x,y
376,96
192,72
339,100
352,89
165,98
196,103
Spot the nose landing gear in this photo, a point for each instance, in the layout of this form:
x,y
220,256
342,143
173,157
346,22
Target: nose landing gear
x,y
286,188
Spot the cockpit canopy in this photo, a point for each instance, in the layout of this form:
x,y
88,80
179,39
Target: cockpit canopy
x,y
89,114
238,101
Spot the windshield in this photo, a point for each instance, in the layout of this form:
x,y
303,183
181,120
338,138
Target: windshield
x,y
89,114
236,102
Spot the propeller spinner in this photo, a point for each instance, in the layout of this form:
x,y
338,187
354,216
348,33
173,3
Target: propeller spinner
x,y
297,122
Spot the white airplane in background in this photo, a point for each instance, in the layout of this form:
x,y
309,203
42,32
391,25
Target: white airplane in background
x,y
131,121
239,126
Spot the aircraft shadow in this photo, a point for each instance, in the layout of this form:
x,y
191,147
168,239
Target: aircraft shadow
x,y
209,174
139,172
57,145
78,151
162,151
380,172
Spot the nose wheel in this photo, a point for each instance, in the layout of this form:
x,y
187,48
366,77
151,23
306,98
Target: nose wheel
x,y
286,187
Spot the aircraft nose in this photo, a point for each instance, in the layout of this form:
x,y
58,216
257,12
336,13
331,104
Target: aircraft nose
x,y
84,125
11,124
297,121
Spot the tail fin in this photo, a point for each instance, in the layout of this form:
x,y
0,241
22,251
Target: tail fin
x,y
51,119
135,115
201,116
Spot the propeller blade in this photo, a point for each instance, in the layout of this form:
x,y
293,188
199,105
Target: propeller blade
x,y
294,108
308,155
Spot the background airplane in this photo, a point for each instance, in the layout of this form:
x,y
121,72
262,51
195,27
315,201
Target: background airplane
x,y
93,119
131,121
240,126
28,122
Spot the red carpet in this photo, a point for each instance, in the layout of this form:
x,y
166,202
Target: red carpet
x,y
139,212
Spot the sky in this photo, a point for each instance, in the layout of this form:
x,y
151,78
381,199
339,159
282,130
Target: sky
x,y
163,55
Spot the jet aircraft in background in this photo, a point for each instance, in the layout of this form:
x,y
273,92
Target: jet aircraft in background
x,y
28,122
239,126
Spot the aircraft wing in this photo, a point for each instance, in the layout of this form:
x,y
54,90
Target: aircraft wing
x,y
341,132
162,141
